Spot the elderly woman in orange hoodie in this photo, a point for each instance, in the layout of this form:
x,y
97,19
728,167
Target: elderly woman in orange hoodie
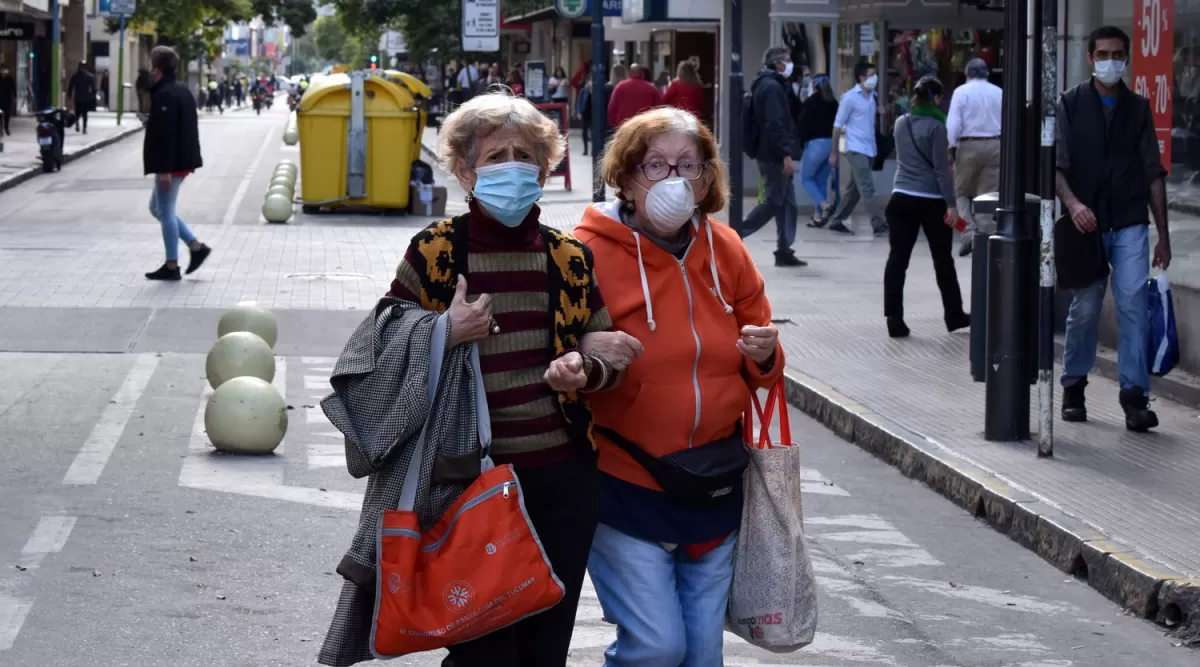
x,y
694,338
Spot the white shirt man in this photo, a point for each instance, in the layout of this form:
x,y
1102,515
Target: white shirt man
x,y
973,130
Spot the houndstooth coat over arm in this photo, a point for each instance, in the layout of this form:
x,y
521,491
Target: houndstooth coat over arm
x,y
380,404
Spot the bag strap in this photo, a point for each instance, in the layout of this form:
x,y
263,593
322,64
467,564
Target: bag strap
x,y
775,396
644,459
917,146
437,352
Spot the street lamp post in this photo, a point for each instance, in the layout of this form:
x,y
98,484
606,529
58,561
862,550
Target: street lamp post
x,y
55,74
1048,27
734,99
1010,255
599,106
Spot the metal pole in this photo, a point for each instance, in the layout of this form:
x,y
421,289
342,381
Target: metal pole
x,y
599,103
1009,256
121,72
1047,278
55,75
734,99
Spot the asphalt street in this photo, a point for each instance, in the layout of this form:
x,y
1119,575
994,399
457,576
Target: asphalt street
x,y
125,541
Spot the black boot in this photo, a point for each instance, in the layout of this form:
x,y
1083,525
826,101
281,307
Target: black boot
x,y
1138,415
788,258
959,320
1073,407
897,328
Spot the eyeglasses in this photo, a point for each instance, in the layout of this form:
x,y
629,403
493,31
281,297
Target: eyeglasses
x,y
658,170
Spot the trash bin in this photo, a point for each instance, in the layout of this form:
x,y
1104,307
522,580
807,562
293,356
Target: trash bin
x,y
359,134
985,205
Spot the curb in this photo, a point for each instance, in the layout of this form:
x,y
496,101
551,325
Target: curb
x,y
26,174
1117,571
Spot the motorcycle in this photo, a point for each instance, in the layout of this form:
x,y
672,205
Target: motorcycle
x,y
293,100
51,132
257,97
269,97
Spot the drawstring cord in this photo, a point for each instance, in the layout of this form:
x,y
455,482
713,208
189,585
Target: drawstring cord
x,y
712,265
645,283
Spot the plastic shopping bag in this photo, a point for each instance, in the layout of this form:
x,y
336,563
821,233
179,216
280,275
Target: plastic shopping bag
x,y
1162,343
773,598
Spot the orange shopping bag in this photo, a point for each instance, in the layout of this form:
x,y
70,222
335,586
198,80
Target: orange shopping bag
x,y
480,568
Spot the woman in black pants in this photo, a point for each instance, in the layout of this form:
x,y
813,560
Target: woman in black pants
x,y
922,199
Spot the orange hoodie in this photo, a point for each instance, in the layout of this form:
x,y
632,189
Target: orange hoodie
x,y
692,385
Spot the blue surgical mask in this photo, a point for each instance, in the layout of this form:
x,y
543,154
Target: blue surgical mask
x,y
508,191
1110,71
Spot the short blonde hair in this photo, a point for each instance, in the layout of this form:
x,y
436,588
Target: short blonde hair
x,y
629,144
484,114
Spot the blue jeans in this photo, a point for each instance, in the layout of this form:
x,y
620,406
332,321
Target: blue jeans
x,y
162,207
780,204
814,169
669,609
1128,252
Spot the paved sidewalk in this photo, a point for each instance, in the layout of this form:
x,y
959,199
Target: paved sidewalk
x,y
21,158
1119,508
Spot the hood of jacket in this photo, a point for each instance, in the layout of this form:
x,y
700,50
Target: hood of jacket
x,y
770,74
692,385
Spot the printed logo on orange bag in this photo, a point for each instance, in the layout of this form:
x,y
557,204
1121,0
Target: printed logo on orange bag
x,y
459,595
398,586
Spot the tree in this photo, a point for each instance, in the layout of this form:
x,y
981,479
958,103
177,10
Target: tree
x,y
329,38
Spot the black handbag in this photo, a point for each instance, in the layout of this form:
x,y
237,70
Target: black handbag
x,y
697,476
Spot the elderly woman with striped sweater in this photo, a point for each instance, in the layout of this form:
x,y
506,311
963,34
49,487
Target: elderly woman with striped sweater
x,y
525,294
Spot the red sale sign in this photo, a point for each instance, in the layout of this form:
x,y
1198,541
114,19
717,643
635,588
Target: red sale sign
x,y
1153,51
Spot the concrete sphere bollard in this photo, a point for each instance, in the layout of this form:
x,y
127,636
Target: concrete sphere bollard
x,y
284,179
249,316
277,208
291,135
281,190
246,415
238,354
286,168
287,163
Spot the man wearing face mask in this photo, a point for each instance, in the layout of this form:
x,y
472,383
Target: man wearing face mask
x,y
1110,177
856,118
771,101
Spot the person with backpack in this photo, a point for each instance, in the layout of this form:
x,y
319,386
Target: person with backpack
x,y
771,136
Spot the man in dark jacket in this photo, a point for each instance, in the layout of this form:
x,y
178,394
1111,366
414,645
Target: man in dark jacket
x,y
171,151
8,98
771,102
1109,176
82,89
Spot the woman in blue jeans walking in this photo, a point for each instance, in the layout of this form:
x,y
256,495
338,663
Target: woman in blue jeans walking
x,y
814,130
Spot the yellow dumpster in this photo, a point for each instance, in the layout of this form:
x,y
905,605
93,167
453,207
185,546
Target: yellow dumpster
x,y
359,134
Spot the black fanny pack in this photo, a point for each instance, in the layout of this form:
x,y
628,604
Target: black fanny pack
x,y
703,475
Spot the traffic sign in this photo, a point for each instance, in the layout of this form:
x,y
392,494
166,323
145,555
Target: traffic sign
x,y
122,7
481,25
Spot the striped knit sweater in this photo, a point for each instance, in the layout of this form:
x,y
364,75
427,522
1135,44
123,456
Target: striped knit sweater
x,y
510,264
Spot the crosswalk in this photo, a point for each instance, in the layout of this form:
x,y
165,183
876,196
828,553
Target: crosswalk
x,y
855,553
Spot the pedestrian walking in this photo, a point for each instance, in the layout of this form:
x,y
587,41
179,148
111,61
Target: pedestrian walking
x,y
239,93
631,97
973,128
583,111
8,98
559,86
502,149
696,349
142,85
171,152
104,92
82,91
686,91
922,200
771,102
1110,179
855,122
814,131
515,82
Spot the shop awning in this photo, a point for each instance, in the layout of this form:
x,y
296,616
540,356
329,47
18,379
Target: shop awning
x,y
547,13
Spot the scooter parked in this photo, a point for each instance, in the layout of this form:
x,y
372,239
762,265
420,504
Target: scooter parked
x,y
51,133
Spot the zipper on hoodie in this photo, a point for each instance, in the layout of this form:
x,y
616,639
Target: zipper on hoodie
x,y
687,284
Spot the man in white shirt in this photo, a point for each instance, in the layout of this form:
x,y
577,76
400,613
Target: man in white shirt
x,y
973,130
855,125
